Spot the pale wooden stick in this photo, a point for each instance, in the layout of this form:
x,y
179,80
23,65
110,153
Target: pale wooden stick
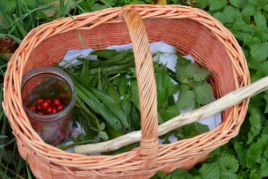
x,y
219,105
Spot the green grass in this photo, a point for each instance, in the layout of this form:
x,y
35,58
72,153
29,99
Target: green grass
x,y
246,19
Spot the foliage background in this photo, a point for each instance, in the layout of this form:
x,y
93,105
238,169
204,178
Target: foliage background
x,y
246,156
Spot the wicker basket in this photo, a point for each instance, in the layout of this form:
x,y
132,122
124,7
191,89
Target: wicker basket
x,y
192,31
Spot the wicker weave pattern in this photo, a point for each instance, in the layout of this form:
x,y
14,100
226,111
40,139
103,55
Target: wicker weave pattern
x,y
192,30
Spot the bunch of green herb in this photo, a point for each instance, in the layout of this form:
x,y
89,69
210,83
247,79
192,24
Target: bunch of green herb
x,y
107,104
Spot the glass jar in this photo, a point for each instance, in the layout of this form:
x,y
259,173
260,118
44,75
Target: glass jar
x,y
49,83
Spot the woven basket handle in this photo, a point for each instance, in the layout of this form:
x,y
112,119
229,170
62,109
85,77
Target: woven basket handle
x,y
146,85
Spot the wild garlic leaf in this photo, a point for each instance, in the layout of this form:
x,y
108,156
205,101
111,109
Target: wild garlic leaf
x,y
204,93
122,84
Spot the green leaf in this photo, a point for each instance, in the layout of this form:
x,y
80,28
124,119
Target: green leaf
x,y
201,128
186,98
134,93
204,94
228,175
210,171
180,173
265,96
261,21
112,106
113,93
102,126
162,175
259,51
264,170
238,3
256,125
217,4
104,53
122,84
169,113
249,10
126,106
228,164
103,135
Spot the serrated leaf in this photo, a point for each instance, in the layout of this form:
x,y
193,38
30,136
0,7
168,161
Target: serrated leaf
x,y
169,113
228,175
186,99
261,21
228,164
256,125
203,3
238,3
210,171
217,4
180,173
259,51
204,94
249,10
264,170
201,128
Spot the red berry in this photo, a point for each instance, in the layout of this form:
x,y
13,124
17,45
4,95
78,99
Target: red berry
x,y
40,112
60,108
54,111
56,102
39,107
39,101
32,108
49,110
45,105
49,101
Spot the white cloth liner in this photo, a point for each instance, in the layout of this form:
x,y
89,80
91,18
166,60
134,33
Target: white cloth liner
x,y
166,57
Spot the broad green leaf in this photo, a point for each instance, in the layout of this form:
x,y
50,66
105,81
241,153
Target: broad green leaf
x,y
186,99
134,93
249,10
217,4
102,126
256,125
259,51
210,171
264,170
204,94
228,164
228,175
261,21
169,113
103,135
238,3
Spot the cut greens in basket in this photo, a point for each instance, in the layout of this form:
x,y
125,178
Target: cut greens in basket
x,y
107,102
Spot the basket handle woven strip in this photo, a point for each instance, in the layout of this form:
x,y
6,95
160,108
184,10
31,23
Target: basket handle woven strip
x,y
146,85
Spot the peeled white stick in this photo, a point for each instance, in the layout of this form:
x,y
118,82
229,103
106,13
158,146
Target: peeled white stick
x,y
219,105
